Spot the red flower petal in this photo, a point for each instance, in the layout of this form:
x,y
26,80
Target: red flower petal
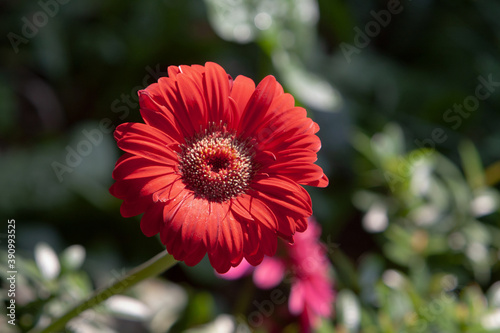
x,y
133,207
174,103
243,89
257,106
173,71
193,215
145,141
191,93
279,112
251,243
170,191
269,241
302,173
159,117
217,165
216,92
259,211
152,220
195,254
137,167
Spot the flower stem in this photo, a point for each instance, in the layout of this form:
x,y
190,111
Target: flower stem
x,y
153,267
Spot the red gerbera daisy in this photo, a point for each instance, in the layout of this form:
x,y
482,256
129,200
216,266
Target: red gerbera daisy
x,y
217,165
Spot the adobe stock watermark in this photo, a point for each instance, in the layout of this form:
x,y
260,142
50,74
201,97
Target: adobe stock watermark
x,y
266,307
431,312
93,137
31,27
11,271
454,117
372,29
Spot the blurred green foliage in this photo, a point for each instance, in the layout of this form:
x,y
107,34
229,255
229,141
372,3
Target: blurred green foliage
x,y
409,124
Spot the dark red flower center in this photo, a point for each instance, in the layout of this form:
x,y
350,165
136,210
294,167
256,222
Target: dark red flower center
x,y
216,165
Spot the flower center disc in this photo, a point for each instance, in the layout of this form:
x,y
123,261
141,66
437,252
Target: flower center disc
x,y
216,165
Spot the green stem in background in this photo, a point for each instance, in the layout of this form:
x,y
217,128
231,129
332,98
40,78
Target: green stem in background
x,y
345,269
244,297
153,267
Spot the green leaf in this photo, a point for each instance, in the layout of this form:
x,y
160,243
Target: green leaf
x,y
471,162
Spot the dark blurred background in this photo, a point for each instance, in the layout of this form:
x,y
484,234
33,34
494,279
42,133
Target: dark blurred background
x,y
406,94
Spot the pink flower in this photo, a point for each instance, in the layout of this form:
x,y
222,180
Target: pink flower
x,y
312,294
